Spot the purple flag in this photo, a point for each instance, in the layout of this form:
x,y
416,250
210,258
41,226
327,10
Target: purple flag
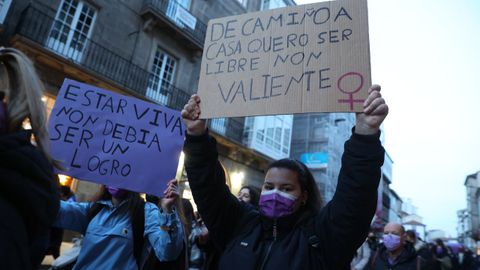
x,y
111,139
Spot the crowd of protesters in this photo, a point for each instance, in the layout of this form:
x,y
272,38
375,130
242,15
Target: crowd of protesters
x,y
397,248
284,225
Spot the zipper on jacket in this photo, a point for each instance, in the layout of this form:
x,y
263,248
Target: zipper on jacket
x,y
274,230
274,234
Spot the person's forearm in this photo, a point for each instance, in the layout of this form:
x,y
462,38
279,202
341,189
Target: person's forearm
x,y
363,129
72,216
349,213
165,233
174,248
217,206
166,208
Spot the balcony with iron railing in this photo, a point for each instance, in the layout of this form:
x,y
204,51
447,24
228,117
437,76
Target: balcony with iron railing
x,y
178,18
231,128
86,54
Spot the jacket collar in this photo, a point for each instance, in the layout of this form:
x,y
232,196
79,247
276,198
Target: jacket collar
x,y
110,204
282,225
15,140
407,254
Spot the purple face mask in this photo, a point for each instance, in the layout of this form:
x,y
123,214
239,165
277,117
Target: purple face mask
x,y
439,250
275,204
391,241
117,193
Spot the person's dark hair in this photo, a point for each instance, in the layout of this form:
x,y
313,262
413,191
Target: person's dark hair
x,y
254,194
185,211
152,199
101,195
66,191
440,243
306,179
443,253
412,234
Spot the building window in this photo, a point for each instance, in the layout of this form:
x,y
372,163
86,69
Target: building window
x,y
319,132
271,4
270,127
318,147
160,83
272,134
260,136
219,125
320,120
184,3
4,6
243,2
178,11
248,130
257,125
286,141
71,29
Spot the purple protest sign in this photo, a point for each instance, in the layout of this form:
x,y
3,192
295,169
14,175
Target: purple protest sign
x,y
111,139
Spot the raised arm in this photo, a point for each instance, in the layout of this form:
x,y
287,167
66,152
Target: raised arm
x,y
73,216
164,231
344,223
220,210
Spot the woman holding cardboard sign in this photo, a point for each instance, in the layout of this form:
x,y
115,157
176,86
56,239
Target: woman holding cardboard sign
x,y
292,230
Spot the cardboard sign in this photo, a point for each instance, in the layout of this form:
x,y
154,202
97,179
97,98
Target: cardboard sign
x,y
115,140
311,58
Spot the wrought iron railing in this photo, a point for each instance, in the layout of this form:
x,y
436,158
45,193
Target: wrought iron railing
x,y
37,26
75,46
168,95
228,127
79,49
169,9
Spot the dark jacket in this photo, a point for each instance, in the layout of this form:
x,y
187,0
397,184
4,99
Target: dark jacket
x,y
29,202
246,237
408,259
426,254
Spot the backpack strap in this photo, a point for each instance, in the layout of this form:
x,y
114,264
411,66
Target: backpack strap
x,y
374,259
419,262
138,227
93,211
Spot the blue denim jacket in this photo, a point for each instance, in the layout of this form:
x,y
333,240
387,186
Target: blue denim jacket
x,y
108,241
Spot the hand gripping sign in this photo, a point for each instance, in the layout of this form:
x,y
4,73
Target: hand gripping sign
x,y
111,139
311,58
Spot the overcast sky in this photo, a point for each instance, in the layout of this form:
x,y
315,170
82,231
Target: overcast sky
x,y
426,56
